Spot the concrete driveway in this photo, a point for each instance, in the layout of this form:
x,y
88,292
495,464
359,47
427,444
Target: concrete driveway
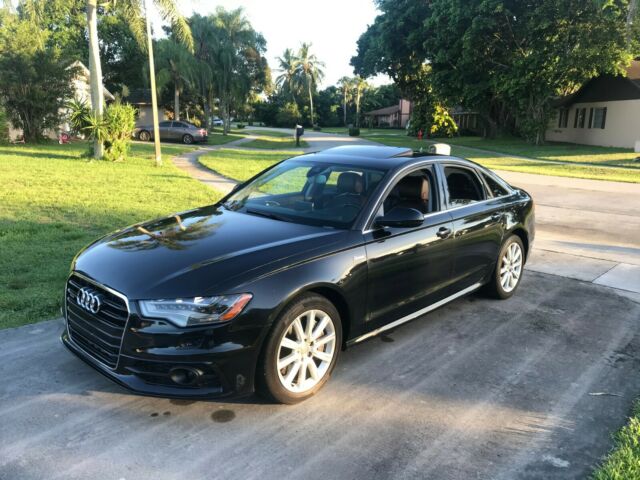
x,y
526,388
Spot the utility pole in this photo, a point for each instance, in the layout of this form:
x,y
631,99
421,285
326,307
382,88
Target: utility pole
x,y
152,77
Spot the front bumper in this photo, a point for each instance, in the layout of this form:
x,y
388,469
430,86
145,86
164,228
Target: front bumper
x,y
224,358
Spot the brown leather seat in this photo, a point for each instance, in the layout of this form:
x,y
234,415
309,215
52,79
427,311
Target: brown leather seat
x,y
413,192
349,190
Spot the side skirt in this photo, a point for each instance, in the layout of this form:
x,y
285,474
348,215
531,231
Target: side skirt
x,y
414,315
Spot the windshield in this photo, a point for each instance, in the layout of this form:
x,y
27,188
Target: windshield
x,y
310,193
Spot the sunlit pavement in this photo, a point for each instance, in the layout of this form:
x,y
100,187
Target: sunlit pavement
x,y
531,387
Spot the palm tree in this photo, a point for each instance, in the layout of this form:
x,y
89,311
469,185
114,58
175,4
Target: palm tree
x,y
360,85
346,85
310,71
288,81
236,45
175,65
137,14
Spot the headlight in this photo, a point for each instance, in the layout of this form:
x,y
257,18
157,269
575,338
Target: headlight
x,y
187,312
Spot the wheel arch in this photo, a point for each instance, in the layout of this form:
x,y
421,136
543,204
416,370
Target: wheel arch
x,y
524,236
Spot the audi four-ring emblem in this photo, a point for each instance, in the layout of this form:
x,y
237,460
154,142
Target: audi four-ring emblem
x,y
89,300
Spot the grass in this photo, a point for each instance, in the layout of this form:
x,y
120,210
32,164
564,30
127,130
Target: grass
x,y
593,171
217,138
242,164
556,151
623,463
274,140
366,132
54,202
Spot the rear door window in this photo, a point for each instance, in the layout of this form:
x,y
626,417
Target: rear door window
x,y
495,188
463,185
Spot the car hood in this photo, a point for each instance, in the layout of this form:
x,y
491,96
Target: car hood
x,y
206,251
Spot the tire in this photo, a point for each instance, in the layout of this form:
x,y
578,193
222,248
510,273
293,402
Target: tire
x,y
144,136
290,343
509,269
187,139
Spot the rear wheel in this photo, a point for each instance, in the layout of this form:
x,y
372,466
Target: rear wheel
x,y
301,350
144,136
509,269
187,139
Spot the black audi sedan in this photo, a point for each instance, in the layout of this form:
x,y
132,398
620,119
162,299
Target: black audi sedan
x,y
262,290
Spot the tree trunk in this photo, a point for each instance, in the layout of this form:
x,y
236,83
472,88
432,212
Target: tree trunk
x,y
152,78
176,104
310,101
358,109
344,108
97,96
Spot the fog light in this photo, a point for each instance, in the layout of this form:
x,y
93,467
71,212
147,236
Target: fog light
x,y
184,376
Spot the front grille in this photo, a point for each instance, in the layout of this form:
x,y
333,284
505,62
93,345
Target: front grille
x,y
98,334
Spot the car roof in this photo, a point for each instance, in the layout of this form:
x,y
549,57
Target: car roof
x,y
372,156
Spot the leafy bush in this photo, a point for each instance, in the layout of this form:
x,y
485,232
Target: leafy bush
x,y
79,112
443,124
4,126
354,132
288,115
240,125
115,128
316,128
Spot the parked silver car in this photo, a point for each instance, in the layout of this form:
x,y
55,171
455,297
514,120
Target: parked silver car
x,y
182,131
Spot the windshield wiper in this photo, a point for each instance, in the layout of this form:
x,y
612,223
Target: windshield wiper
x,y
273,216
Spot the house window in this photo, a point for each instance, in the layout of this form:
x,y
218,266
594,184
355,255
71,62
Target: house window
x,y
563,118
599,117
578,121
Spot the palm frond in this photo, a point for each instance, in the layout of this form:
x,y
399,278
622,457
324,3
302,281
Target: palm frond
x,y
169,12
132,11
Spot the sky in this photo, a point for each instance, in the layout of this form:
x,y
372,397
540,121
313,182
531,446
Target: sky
x,y
332,26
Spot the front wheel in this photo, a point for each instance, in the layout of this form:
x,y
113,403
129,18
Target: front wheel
x,y
187,139
144,136
508,270
301,350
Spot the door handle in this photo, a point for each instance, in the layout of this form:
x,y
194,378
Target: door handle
x,y
444,232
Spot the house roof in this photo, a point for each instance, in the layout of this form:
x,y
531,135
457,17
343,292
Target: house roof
x,y
139,96
384,111
606,88
86,74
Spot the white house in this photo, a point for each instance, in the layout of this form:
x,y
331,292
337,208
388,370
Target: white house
x,y
605,111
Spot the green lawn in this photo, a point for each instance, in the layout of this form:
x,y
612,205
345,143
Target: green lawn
x,y
366,132
217,138
242,164
274,140
623,463
497,162
556,151
54,202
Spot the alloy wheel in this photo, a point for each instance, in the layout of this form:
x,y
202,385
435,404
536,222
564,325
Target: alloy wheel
x,y
306,350
511,267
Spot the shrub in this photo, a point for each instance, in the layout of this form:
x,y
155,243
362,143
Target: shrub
x,y
288,115
443,123
354,132
240,125
115,128
316,128
4,126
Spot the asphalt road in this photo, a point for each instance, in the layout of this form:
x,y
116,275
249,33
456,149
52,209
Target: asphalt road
x,y
478,389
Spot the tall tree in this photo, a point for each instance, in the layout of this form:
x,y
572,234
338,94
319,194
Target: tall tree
x,y
288,81
137,14
346,86
360,85
310,69
176,66
236,59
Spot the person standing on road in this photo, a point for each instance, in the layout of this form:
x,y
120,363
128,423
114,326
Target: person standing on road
x,y
299,132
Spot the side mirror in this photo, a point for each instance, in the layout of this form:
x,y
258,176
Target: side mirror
x,y
401,217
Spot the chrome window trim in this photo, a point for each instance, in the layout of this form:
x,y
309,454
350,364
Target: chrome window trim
x,y
417,313
126,322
